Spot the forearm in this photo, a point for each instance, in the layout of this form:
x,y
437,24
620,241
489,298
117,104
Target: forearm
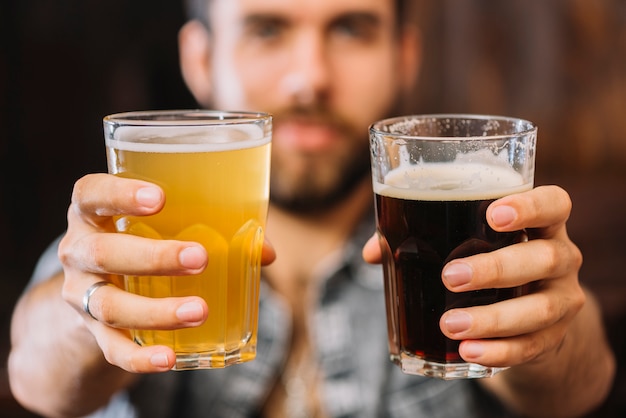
x,y
570,382
55,365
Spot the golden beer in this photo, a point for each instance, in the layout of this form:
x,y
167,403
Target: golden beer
x,y
216,183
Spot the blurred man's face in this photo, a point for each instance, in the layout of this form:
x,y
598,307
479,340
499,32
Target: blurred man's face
x,y
326,69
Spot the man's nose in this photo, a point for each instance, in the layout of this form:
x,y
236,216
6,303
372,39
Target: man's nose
x,y
308,78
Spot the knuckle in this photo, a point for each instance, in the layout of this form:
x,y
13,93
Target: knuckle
x,y
490,270
578,300
548,312
552,258
97,254
162,255
552,310
64,253
576,257
497,266
533,205
132,364
137,360
158,254
490,324
66,293
104,311
559,340
73,211
570,256
110,356
79,187
531,349
507,353
564,198
560,257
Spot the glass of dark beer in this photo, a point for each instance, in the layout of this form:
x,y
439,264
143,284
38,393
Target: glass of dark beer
x,y
434,177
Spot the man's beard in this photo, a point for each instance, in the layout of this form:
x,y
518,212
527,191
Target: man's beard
x,y
309,183
306,193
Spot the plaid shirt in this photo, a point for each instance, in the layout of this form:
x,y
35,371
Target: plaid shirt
x,y
350,337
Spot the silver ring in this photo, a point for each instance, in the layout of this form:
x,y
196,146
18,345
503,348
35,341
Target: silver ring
x,y
89,292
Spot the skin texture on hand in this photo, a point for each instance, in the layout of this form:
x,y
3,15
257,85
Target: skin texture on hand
x,y
91,252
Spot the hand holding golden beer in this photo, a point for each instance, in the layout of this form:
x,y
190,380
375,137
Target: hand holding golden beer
x,y
90,253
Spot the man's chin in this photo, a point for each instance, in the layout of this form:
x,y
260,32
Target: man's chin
x,y
312,198
305,205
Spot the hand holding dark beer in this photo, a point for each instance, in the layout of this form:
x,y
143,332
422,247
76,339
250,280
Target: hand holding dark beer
x,y
524,329
521,329
91,251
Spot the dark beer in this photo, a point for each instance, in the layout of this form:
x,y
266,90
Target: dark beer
x,y
422,230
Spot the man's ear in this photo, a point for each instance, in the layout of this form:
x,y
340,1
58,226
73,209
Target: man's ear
x,y
410,56
194,45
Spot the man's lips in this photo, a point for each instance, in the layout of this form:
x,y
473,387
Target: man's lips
x,y
304,135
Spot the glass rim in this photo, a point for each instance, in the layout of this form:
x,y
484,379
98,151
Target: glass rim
x,y
376,127
185,117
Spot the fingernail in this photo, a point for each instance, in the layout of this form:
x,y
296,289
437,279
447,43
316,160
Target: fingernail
x,y
190,312
149,197
457,274
503,215
159,360
458,322
472,350
192,257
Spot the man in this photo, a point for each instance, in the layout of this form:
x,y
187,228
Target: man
x,y
326,69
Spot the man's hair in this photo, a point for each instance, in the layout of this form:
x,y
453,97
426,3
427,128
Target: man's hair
x,y
199,10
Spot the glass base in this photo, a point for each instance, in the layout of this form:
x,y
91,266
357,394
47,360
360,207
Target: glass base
x,y
197,361
447,371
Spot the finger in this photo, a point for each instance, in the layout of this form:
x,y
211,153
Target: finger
x,y
121,351
517,316
371,250
268,254
513,351
543,207
116,253
513,265
119,309
103,195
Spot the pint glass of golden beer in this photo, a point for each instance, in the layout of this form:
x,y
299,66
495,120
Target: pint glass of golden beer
x,y
214,169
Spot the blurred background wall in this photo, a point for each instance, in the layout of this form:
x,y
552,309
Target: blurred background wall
x,y
63,66
560,63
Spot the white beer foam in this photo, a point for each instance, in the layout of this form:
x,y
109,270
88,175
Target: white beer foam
x,y
451,181
178,139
